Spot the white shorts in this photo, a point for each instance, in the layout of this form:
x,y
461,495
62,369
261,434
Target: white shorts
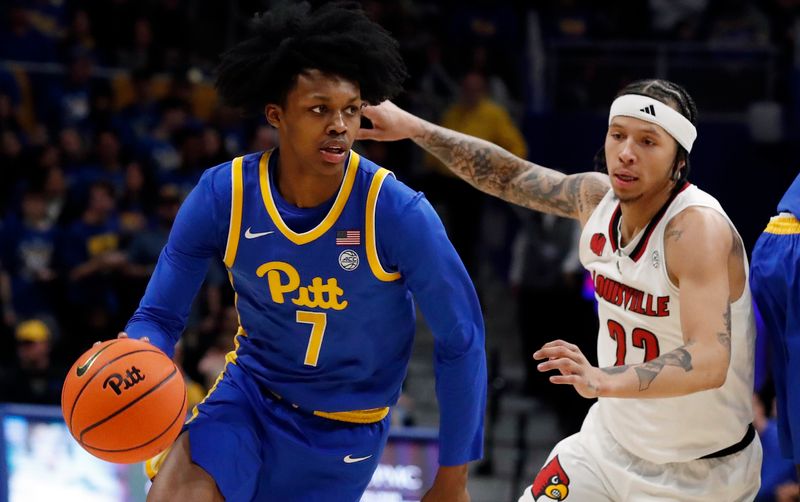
x,y
590,466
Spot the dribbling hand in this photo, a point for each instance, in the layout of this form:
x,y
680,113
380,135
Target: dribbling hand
x,y
122,334
575,369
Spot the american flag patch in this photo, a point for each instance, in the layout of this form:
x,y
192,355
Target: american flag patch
x,y
348,237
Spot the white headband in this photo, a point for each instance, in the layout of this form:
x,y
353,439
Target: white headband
x,y
653,110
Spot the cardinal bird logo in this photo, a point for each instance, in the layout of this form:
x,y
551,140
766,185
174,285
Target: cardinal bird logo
x,y
598,243
552,481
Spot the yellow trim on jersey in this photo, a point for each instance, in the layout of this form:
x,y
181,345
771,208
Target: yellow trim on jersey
x,y
153,465
330,218
357,417
783,225
371,241
235,227
230,357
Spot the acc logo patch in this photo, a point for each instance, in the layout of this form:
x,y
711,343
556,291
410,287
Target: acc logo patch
x,y
598,243
551,482
348,260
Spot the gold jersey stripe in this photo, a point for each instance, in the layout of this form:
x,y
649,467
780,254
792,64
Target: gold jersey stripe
x,y
235,227
357,416
783,225
341,199
371,239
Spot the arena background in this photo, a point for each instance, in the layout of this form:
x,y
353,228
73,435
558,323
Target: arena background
x,y
108,116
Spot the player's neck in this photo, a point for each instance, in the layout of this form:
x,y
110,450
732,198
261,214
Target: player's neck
x,y
636,214
303,187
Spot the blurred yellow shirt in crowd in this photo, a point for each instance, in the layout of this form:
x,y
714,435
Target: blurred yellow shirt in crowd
x,y
487,120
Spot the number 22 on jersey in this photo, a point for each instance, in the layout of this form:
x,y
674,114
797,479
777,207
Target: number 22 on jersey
x,y
640,338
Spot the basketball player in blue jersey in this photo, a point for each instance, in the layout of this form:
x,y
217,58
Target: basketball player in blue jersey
x,y
325,251
775,281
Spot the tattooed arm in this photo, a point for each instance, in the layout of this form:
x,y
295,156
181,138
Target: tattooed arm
x,y
704,258
490,168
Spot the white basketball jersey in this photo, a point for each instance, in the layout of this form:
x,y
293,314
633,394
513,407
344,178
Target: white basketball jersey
x,y
639,310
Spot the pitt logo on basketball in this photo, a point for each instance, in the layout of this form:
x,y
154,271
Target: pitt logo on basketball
x,y
283,278
131,378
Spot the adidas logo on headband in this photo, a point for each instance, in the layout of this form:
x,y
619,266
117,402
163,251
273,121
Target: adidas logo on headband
x,y
649,110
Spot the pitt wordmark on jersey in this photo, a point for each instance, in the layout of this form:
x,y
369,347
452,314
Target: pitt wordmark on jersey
x,y
639,311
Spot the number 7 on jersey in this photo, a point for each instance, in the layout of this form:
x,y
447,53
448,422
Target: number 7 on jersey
x,y
318,322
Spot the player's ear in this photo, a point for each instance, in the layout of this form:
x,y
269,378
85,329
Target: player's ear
x,y
273,114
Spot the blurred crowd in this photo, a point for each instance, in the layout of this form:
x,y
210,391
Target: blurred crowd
x,y
108,117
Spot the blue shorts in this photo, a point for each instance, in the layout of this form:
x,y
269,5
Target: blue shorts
x,y
260,448
775,283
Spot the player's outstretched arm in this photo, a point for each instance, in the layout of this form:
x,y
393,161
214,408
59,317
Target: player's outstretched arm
x,y
490,168
699,245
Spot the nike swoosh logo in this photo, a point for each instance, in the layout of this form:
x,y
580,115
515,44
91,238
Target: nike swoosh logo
x,y
250,235
352,460
83,368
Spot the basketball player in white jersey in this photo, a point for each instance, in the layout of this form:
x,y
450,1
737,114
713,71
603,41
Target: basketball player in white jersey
x,y
675,347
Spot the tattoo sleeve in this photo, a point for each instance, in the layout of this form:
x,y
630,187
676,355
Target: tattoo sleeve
x,y
648,371
615,370
494,170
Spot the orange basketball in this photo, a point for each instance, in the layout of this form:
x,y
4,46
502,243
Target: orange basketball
x,y
124,401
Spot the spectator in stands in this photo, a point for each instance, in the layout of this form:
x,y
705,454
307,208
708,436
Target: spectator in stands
x,y
80,37
475,114
54,186
91,258
107,164
74,153
158,147
437,88
145,248
29,242
139,117
137,200
13,165
32,378
69,102
20,41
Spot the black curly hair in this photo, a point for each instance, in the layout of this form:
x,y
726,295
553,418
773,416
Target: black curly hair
x,y
336,38
670,94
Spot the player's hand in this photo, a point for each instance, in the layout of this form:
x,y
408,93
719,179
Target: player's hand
x,y
450,485
389,123
575,369
122,334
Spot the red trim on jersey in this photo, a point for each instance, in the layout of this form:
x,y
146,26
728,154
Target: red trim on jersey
x,y
612,227
638,251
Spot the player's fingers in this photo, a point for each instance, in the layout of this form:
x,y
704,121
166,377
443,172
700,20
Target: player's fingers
x,y
364,133
566,379
553,352
554,343
122,334
565,366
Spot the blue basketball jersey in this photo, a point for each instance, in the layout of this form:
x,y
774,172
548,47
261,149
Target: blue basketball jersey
x,y
318,302
324,294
